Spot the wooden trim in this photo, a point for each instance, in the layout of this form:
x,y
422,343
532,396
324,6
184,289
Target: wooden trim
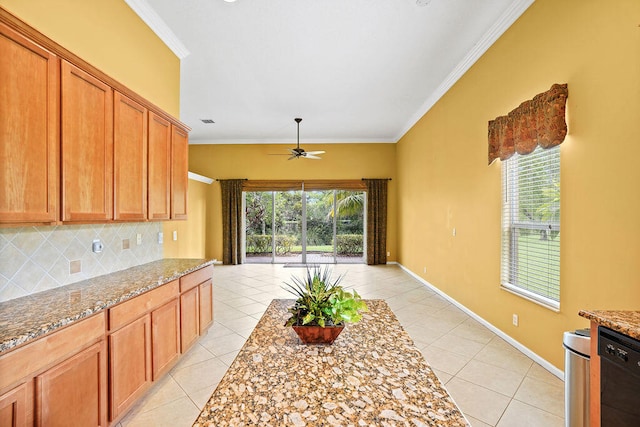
x,y
594,378
312,184
39,38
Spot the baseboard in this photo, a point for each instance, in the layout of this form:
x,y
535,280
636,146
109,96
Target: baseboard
x,y
523,349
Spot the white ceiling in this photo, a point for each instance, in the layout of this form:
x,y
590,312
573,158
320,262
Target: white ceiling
x,y
354,70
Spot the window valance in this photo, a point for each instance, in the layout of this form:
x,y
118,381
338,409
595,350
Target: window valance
x,y
536,122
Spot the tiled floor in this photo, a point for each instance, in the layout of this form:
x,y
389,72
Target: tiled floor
x,y
492,382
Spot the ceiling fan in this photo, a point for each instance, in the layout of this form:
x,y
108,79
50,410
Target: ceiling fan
x,y
298,152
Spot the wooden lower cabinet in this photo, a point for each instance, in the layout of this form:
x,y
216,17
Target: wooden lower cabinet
x,y
71,393
90,373
129,364
14,407
165,337
206,305
189,318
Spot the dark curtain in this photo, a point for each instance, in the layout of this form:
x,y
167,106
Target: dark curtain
x,y
537,122
376,221
231,221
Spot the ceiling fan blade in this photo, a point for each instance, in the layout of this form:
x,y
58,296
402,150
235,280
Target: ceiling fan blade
x,y
315,152
295,156
311,156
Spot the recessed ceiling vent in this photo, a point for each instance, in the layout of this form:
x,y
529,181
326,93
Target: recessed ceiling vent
x,y
207,121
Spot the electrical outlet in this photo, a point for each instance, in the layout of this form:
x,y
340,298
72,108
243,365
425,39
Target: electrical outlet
x,y
175,234
97,246
454,232
138,239
160,237
424,269
515,320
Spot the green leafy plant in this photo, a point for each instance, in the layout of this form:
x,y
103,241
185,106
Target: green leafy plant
x,y
321,301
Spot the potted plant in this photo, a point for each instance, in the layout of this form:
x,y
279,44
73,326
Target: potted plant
x,y
322,306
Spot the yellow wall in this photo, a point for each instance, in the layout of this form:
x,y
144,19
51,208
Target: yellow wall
x,y
111,37
192,233
444,181
341,161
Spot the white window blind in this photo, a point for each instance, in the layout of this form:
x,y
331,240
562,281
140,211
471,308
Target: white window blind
x,y
531,225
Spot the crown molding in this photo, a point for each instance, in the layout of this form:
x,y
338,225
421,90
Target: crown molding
x,y
517,8
283,142
158,26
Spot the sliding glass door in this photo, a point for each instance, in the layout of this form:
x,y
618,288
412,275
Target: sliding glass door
x,y
304,227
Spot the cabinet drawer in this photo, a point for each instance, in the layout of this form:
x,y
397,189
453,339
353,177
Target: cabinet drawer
x,y
49,349
134,308
194,279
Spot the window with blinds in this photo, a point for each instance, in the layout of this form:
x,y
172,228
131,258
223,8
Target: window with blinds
x,y
531,225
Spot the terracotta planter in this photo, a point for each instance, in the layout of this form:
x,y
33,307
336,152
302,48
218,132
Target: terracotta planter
x,y
318,334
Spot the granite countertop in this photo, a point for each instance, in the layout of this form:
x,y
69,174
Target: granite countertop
x,y
625,322
372,375
24,319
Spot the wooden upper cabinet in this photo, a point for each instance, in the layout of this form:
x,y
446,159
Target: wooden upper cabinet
x,y
159,168
179,172
87,146
129,159
29,130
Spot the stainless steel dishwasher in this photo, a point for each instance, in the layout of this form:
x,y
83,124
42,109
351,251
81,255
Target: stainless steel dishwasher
x,y
577,353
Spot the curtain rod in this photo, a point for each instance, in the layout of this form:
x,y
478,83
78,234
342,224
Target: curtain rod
x,y
218,179
388,179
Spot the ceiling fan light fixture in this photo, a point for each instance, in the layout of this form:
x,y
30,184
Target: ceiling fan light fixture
x,y
298,152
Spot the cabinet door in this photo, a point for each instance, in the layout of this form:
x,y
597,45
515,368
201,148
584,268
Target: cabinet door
x,y
159,168
87,146
29,130
165,337
206,305
129,364
72,392
129,159
189,318
13,407
179,172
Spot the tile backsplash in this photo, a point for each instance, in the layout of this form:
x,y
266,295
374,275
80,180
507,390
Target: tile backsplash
x,y
34,259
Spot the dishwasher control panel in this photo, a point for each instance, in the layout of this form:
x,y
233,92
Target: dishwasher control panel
x,y
619,349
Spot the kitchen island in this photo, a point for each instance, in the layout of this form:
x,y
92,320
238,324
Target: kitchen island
x,y
372,375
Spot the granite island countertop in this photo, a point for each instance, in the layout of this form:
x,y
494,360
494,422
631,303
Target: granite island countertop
x,y
625,322
26,318
372,375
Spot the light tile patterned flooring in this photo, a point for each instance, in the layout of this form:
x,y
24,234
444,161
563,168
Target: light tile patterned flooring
x,y
493,383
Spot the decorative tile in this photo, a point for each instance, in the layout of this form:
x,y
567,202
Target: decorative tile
x,y
46,255
28,241
11,260
28,276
